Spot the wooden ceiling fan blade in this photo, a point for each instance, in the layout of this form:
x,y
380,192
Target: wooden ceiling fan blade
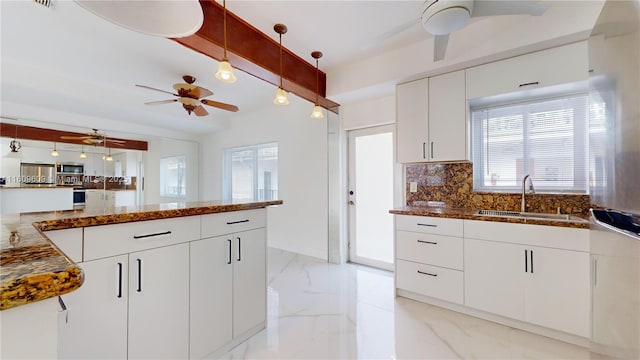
x,y
161,102
512,7
220,105
74,137
116,141
440,46
202,92
151,88
200,111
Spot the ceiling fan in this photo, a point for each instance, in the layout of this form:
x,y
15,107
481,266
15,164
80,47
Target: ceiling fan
x,y
94,138
190,96
442,17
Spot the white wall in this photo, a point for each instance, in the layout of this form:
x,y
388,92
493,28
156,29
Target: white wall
x,y
300,224
162,148
379,111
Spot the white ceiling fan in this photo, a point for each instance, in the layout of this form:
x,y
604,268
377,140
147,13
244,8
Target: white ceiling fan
x,y
442,17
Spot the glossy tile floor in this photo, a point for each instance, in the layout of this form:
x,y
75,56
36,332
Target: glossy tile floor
x,y
324,311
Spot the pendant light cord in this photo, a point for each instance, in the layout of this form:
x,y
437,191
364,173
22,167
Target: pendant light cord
x,y
317,81
280,60
224,26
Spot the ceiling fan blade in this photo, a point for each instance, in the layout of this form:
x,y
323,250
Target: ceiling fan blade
x,y
220,105
161,102
150,88
74,137
440,46
200,111
511,7
202,92
116,141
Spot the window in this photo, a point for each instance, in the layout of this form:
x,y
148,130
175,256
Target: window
x,y
251,173
172,182
545,138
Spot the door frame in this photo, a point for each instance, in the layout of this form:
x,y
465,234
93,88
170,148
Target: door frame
x,y
351,213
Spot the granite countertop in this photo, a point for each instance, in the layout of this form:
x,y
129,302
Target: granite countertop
x,y
32,268
470,214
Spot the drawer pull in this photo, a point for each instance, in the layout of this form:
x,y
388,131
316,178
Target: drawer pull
x,y
239,248
119,280
139,261
428,242
237,222
426,273
429,225
529,84
144,236
229,259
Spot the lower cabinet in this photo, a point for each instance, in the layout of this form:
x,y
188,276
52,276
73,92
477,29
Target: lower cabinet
x,y
228,283
131,305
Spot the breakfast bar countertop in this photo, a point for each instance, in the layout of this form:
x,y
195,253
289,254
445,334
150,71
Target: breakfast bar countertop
x,y
470,214
32,268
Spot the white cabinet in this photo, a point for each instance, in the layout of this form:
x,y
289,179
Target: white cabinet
x,y
158,303
429,257
447,117
228,281
124,197
506,275
431,119
95,325
560,65
412,121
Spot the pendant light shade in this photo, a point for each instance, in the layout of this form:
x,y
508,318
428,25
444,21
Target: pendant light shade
x,y
281,94
82,153
108,157
317,110
225,71
54,152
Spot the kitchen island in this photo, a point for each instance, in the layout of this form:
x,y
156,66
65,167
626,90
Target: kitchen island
x,y
35,271
30,198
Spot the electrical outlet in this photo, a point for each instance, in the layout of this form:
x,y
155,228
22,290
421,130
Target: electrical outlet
x,y
413,187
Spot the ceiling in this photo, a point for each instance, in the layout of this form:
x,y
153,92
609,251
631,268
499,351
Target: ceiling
x,y
66,68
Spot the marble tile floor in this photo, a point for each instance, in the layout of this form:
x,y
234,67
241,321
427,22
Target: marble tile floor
x,y
318,310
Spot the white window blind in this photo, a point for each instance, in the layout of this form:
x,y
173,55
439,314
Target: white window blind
x,y
546,139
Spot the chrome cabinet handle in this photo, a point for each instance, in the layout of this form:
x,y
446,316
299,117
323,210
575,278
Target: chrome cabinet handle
x,y
229,260
237,222
426,273
428,242
144,236
139,275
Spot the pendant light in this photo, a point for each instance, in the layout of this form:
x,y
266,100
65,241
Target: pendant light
x,y
54,152
225,70
108,157
281,95
15,145
317,110
82,153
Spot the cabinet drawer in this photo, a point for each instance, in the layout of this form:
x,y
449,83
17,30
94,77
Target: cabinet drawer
x,y
433,281
230,222
109,240
445,251
429,225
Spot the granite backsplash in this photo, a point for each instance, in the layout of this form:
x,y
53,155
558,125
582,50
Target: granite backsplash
x,y
451,184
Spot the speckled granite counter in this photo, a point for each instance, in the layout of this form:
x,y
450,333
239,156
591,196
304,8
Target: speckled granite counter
x,y
33,269
469,214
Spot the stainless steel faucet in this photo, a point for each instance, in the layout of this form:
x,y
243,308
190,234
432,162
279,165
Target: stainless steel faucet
x,y
523,205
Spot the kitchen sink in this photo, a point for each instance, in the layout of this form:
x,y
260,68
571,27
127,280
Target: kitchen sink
x,y
530,215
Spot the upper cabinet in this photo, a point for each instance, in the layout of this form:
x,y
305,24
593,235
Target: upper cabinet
x,y
555,66
431,119
412,121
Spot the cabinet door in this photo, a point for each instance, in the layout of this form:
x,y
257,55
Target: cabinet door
x,y
494,277
249,280
412,117
211,295
96,323
159,303
447,117
557,293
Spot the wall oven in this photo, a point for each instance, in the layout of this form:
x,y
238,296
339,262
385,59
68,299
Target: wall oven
x,y
79,195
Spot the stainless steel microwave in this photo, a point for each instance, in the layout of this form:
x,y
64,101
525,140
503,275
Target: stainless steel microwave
x,y
70,168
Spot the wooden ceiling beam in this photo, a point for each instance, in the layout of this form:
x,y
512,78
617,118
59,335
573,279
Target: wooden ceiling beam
x,y
257,54
21,132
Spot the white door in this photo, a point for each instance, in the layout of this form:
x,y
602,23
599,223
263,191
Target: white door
x,y
95,326
249,286
159,303
371,175
211,295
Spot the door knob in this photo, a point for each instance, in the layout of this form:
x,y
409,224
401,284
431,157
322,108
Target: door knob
x,y
351,202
